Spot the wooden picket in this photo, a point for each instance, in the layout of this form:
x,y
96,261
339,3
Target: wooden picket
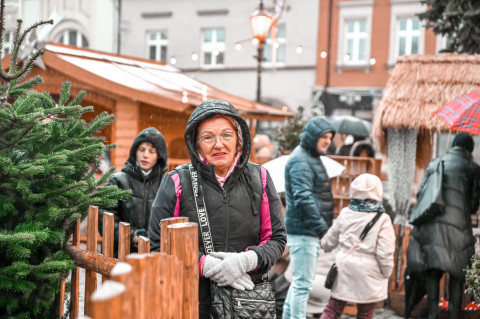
x,y
143,285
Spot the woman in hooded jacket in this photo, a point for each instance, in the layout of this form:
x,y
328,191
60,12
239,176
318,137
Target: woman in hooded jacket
x,y
142,174
364,266
246,223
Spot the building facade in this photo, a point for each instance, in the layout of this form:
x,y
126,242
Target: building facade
x,y
92,24
358,44
211,40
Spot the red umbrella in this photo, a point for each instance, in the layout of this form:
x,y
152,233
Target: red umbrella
x,y
463,113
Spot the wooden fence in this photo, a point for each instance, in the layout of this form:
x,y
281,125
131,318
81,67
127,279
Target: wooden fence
x,y
142,285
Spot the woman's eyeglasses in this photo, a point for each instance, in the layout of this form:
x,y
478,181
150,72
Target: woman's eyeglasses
x,y
212,139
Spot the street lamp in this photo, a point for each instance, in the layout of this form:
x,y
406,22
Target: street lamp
x,y
260,22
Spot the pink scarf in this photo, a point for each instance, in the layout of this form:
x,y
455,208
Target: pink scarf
x,y
221,180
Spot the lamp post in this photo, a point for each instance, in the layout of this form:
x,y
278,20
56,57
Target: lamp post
x,y
260,22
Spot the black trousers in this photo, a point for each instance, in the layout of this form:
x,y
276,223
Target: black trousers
x,y
455,292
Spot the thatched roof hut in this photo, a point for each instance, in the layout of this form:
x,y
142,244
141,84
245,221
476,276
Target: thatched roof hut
x,y
418,86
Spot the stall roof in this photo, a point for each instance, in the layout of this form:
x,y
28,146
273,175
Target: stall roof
x,y
147,81
420,85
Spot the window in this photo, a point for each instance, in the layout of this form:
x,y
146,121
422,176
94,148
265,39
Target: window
x,y
406,31
277,56
213,47
408,35
7,42
354,34
157,45
355,42
73,37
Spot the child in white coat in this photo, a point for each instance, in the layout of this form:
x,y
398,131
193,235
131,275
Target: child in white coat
x,y
363,274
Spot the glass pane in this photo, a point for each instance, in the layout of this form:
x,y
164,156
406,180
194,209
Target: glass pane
x,y
7,37
84,42
416,24
401,46
207,58
61,39
72,37
163,35
281,31
207,36
153,52
414,45
363,26
267,53
350,27
361,50
281,53
163,53
153,36
402,24
220,35
349,47
220,58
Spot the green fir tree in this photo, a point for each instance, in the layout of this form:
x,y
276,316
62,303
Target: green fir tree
x,y
288,135
47,182
458,20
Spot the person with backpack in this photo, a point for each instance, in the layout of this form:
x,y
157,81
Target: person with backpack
x,y
365,238
244,212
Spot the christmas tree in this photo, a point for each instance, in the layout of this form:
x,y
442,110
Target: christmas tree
x,y
49,156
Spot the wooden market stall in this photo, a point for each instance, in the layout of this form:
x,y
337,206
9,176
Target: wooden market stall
x,y
140,93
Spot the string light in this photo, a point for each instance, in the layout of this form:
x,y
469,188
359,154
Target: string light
x,y
323,55
238,46
299,49
173,60
194,56
372,61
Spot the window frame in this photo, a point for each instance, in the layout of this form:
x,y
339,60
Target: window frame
x,y
210,47
348,12
158,43
401,10
79,37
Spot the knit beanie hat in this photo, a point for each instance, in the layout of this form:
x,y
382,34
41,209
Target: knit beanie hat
x,y
465,141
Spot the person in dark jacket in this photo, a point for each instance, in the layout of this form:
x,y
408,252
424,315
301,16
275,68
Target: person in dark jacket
x,y
245,221
141,173
309,211
445,243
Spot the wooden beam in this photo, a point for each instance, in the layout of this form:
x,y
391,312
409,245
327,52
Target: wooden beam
x,y
92,261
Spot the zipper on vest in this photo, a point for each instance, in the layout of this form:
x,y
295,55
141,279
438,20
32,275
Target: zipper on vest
x,y
225,201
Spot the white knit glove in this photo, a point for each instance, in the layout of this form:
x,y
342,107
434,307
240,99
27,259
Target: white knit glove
x,y
232,267
244,282
210,262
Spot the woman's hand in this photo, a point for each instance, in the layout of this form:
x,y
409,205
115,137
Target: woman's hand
x,y
232,267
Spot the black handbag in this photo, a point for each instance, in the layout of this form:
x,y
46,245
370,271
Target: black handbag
x,y
332,273
430,201
331,276
227,302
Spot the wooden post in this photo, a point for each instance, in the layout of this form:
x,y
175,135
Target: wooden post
x,y
62,297
151,286
183,239
139,277
168,275
106,302
90,276
143,245
392,281
122,273
123,240
164,223
108,235
75,275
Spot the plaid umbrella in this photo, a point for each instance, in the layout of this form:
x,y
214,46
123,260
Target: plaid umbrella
x,y
463,113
